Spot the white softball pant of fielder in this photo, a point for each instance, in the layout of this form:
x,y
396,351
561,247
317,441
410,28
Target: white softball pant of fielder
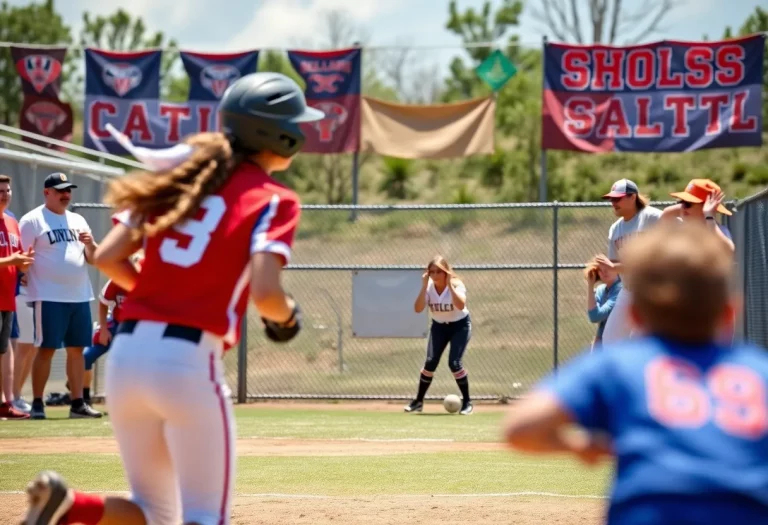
x,y
172,417
618,326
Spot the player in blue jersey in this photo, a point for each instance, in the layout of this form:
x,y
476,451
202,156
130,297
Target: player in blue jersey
x,y
685,418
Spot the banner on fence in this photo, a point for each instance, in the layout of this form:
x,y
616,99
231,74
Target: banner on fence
x,y
122,89
409,131
39,69
46,116
664,96
211,74
333,85
40,72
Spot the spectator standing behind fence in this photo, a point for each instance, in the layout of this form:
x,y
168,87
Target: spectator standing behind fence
x,y
701,202
12,259
446,297
60,288
635,216
601,299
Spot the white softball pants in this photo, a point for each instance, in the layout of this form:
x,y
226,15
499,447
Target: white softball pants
x,y
172,417
619,325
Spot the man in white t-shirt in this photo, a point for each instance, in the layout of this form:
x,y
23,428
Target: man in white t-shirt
x,y
635,216
60,290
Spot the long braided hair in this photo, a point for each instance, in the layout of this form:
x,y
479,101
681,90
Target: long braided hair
x,y
173,196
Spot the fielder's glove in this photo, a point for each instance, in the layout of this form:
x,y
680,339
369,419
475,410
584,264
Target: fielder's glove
x,y
281,332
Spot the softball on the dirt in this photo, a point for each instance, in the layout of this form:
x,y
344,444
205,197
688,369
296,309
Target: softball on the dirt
x,y
452,403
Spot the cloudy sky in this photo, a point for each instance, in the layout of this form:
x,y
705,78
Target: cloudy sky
x,y
243,24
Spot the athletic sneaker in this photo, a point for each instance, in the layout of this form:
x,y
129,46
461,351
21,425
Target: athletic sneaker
x,y
38,411
415,406
84,412
8,411
49,499
466,408
22,405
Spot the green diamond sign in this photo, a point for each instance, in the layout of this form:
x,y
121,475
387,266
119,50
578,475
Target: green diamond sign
x,y
496,70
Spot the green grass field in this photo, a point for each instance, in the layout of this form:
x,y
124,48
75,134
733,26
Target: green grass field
x,y
338,454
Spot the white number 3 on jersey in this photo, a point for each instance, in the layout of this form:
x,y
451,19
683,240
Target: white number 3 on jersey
x,y
200,232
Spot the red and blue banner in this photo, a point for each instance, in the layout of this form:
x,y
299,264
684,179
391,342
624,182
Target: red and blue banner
x,y
333,85
122,89
39,69
211,74
666,96
42,112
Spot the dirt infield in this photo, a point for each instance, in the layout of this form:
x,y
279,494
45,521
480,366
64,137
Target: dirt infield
x,y
268,510
260,447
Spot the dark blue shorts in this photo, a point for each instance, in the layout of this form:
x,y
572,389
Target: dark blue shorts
x,y
62,325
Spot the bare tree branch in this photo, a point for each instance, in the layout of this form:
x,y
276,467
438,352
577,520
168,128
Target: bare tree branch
x,y
394,65
615,21
607,21
662,9
339,30
576,22
547,18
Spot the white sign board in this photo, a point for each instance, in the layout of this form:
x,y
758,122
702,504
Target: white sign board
x,y
382,304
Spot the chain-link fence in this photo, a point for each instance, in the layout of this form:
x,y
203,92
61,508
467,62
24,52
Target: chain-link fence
x,y
522,264
750,230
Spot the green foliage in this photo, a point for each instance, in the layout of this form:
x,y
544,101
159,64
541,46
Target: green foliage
x,y
511,174
37,23
463,195
758,175
483,26
492,175
120,31
397,177
738,172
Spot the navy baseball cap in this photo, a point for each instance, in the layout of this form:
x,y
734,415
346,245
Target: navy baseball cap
x,y
622,188
58,181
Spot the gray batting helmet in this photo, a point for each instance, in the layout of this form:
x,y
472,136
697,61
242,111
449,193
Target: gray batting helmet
x,y
263,111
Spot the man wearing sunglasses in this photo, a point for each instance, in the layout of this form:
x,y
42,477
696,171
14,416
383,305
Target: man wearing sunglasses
x,y
60,290
635,216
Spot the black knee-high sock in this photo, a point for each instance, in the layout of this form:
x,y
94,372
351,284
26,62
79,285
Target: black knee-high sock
x,y
464,387
424,382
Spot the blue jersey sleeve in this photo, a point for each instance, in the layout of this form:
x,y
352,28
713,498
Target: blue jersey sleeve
x,y
726,231
581,388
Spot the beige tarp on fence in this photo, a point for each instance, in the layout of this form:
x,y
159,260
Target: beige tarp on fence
x,y
428,132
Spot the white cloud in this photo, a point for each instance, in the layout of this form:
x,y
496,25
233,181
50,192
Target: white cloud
x,y
158,15
283,23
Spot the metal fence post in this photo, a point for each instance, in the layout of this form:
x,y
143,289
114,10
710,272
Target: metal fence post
x,y
555,259
242,363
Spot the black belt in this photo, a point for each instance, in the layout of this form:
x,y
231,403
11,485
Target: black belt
x,y
175,331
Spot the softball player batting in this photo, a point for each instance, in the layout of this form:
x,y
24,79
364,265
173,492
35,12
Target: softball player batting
x,y
214,226
635,216
685,417
446,297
